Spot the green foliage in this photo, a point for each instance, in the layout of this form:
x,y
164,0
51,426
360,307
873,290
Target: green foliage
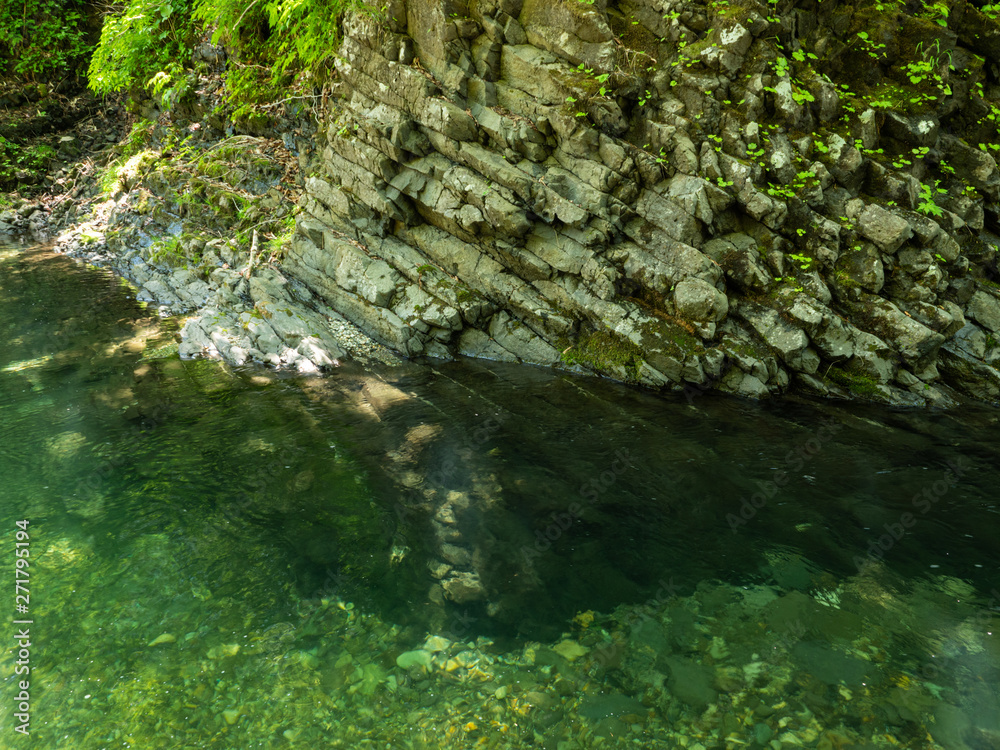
x,y
281,240
790,281
168,251
927,205
802,96
874,50
779,191
16,158
804,261
42,39
276,40
147,43
139,41
170,85
935,10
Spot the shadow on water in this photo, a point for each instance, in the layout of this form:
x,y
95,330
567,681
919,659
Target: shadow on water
x,y
561,494
194,502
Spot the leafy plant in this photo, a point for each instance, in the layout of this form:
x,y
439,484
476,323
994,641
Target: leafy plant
x,y
790,280
777,191
936,10
281,240
602,79
275,41
140,40
137,140
42,39
804,261
15,159
168,251
927,205
874,50
801,96
270,42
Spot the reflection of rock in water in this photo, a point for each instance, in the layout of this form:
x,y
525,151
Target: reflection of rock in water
x,y
449,498
473,473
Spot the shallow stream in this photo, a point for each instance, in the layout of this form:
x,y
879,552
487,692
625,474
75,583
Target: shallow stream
x,y
474,555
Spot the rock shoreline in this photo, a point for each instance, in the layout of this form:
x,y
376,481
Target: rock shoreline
x,y
513,185
238,307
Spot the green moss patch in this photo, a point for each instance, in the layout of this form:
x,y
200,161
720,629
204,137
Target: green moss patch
x,y
606,352
856,382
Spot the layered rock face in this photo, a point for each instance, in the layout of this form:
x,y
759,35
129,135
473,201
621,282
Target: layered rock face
x,y
728,195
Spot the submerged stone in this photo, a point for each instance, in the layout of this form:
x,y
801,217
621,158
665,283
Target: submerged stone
x,y
691,682
828,665
599,707
417,658
570,650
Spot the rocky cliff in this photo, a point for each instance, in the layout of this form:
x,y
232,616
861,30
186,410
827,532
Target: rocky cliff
x,y
732,195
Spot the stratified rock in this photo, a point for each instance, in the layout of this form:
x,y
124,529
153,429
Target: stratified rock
x,y
559,184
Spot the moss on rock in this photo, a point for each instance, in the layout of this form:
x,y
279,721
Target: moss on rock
x,y
605,352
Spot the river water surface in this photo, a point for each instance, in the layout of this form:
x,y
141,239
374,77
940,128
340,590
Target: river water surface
x,y
473,555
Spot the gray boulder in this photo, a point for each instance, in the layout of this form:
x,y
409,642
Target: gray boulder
x,y
885,229
985,308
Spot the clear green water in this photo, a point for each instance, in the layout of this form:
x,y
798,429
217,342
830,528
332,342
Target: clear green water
x,y
469,555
